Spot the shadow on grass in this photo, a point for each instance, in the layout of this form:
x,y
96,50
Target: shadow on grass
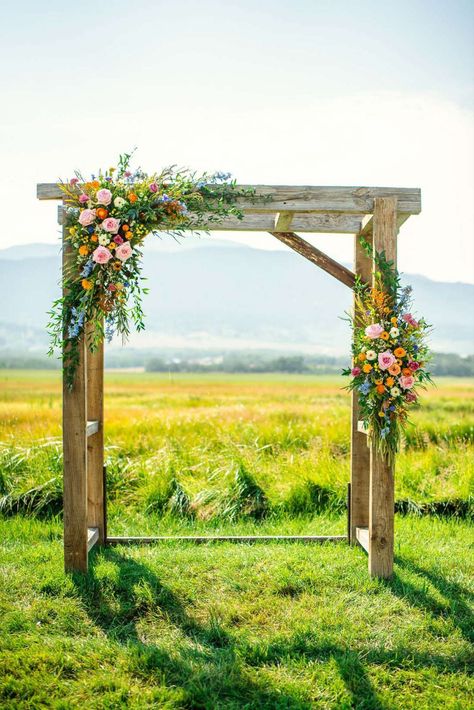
x,y
210,668
455,606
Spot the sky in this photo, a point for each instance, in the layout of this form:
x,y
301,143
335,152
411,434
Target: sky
x,y
319,92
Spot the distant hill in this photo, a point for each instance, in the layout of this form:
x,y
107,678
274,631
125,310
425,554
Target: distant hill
x,y
226,296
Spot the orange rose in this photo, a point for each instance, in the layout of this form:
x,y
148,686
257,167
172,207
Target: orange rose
x,y
380,389
102,213
399,352
406,371
367,368
125,227
132,197
394,369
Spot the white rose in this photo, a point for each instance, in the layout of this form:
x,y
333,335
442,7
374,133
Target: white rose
x,y
119,202
371,355
394,333
103,240
395,392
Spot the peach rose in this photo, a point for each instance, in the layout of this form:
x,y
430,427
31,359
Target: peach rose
x,y
104,197
101,255
124,251
407,381
394,369
86,217
110,224
374,331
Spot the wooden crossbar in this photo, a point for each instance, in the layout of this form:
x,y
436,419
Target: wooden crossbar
x,y
203,539
92,427
92,538
362,536
316,256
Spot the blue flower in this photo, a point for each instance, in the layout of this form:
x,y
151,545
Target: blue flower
x,y
384,432
164,198
364,387
87,269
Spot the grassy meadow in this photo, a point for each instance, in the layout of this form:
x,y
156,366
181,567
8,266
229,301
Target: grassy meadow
x,y
222,626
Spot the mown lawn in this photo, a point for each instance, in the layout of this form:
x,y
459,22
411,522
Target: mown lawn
x,y
223,626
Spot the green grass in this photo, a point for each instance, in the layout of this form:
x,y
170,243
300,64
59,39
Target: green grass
x,y
223,626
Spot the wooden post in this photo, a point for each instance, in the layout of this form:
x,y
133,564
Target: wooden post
x,y
381,498
75,457
360,452
95,442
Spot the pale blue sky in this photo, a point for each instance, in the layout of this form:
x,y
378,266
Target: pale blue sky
x,y
319,92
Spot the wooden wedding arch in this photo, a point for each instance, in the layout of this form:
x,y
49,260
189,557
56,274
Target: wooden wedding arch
x,y
375,213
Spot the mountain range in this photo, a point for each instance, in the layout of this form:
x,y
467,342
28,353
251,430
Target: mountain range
x,y
221,296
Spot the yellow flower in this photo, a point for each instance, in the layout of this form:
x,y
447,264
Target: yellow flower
x,y
361,357
393,321
83,250
86,284
381,414
367,367
112,245
72,231
385,335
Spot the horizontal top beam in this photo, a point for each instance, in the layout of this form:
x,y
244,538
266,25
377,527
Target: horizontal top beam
x,y
297,198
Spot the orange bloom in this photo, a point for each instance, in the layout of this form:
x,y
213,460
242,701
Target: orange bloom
x,y
380,389
95,184
132,197
381,414
102,213
406,371
86,284
117,265
389,381
393,321
93,237
125,227
394,369
367,368
399,362
362,357
399,352
83,250
385,335
128,235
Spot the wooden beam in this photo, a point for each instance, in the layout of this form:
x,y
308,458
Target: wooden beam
x,y
362,537
360,452
95,444
316,256
202,540
283,221
381,490
367,225
75,456
304,198
362,429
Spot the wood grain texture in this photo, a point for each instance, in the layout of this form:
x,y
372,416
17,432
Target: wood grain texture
x,y
75,460
360,453
283,221
316,256
362,537
381,493
95,443
304,198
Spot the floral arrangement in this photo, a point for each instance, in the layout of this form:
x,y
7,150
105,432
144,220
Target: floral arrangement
x,y
390,355
106,221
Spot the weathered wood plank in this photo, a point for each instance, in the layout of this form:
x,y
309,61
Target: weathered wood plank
x,y
92,538
304,198
381,494
200,540
362,537
362,428
75,459
367,225
316,256
95,444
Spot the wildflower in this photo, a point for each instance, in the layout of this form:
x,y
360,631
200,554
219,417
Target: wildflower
x,y
390,381
87,285
355,371
103,240
83,250
153,187
88,268
384,432
83,198
364,388
132,197
380,389
73,181
119,202
384,335
361,357
399,352
367,368
371,355
394,332
395,392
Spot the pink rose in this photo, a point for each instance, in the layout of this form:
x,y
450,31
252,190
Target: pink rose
x,y
386,360
374,331
410,397
124,251
101,255
414,366
83,198
407,381
118,239
153,187
104,197
110,224
86,217
355,371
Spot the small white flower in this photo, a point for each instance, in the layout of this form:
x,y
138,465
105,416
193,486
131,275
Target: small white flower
x,y
119,202
395,392
394,332
371,355
103,240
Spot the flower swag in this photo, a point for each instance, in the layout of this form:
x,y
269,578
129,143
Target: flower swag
x,y
389,354
106,220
